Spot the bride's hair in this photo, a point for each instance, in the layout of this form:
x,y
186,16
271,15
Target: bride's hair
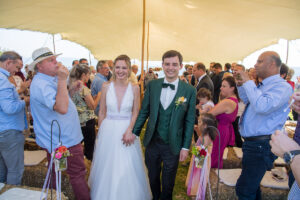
x,y
127,61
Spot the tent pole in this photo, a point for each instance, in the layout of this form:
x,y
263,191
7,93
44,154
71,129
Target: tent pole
x,y
90,58
53,43
143,45
148,46
287,52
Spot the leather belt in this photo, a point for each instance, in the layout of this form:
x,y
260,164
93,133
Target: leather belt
x,y
257,138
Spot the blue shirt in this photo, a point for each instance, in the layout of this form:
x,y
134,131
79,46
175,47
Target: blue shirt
x,y
96,88
265,112
43,91
12,108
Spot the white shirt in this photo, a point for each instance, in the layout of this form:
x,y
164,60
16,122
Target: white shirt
x,y
167,94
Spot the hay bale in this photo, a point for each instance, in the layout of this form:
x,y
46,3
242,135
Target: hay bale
x,y
232,160
34,176
227,192
7,187
31,146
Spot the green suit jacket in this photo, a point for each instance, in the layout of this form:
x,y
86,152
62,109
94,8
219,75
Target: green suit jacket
x,y
182,119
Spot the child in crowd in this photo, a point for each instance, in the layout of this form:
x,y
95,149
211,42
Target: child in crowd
x,y
197,177
205,100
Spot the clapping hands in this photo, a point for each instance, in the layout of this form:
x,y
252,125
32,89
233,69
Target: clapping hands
x,y
128,138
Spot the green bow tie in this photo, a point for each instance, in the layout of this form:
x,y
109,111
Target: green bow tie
x,y
165,85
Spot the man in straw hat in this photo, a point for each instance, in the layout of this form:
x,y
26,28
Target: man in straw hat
x,y
12,113
50,101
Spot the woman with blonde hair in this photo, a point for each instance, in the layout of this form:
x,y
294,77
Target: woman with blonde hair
x,y
118,170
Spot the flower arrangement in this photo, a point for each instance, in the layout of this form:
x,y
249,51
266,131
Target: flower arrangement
x,y
180,101
200,153
60,158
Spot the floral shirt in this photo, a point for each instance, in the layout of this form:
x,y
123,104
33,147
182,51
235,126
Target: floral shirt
x,y
78,92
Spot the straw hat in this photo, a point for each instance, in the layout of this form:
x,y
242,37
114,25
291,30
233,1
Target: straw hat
x,y
40,54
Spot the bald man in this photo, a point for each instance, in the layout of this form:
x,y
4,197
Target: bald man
x,y
264,113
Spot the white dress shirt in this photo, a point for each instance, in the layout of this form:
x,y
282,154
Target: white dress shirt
x,y
167,94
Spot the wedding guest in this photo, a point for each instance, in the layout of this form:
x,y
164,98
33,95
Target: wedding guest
x,y
93,73
292,83
111,66
241,108
225,112
96,87
21,86
197,177
75,62
83,61
227,67
296,110
289,150
188,74
289,77
12,115
169,131
19,73
202,79
207,134
217,81
150,75
284,69
49,101
210,72
264,113
26,71
133,79
85,104
205,100
252,76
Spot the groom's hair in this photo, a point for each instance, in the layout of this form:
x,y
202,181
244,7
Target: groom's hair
x,y
172,53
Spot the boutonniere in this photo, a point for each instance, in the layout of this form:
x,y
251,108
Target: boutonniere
x,y
180,101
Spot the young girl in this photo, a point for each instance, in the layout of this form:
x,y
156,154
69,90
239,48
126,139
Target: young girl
x,y
197,177
205,100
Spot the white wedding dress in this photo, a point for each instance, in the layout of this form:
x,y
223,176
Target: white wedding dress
x,y
118,172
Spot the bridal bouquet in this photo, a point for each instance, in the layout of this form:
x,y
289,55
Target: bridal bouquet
x,y
60,158
200,153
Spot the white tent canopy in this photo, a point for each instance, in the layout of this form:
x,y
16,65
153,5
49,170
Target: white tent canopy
x,y
202,30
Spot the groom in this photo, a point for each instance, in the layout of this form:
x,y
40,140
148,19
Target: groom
x,y
169,103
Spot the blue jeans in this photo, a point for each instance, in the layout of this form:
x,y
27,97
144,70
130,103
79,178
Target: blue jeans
x,y
257,159
11,157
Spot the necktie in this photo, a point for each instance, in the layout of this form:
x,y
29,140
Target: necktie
x,y
165,85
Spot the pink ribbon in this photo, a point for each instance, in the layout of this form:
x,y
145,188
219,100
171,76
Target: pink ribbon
x,y
199,175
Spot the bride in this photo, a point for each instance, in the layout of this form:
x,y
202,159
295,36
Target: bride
x,y
118,170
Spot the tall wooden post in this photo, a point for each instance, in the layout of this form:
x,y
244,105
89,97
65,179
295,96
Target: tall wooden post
x,y
143,45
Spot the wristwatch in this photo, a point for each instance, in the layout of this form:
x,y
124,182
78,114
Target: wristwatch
x,y
289,156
